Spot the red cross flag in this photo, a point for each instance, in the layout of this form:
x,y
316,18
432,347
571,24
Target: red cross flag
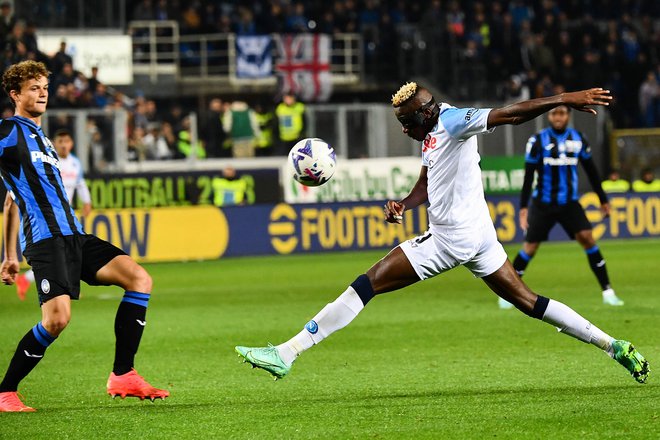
x,y
303,66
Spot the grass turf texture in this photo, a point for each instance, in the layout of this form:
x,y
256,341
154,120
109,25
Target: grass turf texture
x,y
437,360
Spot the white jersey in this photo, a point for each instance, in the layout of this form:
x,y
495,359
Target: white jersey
x,y
455,190
73,179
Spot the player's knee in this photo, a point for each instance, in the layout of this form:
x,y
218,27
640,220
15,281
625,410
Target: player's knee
x,y
141,280
55,325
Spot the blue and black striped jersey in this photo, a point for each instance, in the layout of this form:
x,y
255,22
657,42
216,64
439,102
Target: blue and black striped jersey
x,y
30,171
556,157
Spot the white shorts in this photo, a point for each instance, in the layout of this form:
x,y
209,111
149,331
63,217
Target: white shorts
x,y
441,249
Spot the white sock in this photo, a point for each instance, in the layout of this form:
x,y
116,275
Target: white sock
x,y
570,322
332,317
29,275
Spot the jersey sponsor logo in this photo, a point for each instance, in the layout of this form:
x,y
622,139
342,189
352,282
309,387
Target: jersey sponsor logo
x,y
39,156
560,161
312,327
45,286
469,114
429,143
573,146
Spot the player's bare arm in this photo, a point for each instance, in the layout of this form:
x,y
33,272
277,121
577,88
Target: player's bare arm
x,y
10,224
527,110
394,210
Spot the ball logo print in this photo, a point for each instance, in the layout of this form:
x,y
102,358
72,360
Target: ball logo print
x,y
312,161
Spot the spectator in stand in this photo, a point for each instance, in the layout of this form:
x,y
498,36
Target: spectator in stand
x,y
155,143
137,149
144,10
214,132
60,59
240,123
649,101
296,21
66,76
615,184
7,21
647,183
100,97
93,80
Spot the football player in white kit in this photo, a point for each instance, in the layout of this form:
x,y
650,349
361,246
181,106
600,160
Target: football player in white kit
x,y
74,183
460,229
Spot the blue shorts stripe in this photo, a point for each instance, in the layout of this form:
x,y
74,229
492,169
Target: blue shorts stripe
x,y
137,295
592,250
139,302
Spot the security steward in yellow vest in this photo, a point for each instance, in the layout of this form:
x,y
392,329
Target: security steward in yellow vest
x,y
266,121
615,184
648,182
290,123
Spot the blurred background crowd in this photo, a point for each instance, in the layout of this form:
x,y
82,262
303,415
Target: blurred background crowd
x,y
500,51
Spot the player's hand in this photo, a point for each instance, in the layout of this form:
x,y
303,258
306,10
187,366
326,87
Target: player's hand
x,y
86,209
580,100
605,209
9,270
522,219
394,211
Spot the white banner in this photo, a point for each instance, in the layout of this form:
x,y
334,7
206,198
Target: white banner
x,y
253,57
112,54
303,66
358,180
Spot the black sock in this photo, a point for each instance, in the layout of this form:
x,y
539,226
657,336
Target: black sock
x,y
129,325
521,261
597,263
28,354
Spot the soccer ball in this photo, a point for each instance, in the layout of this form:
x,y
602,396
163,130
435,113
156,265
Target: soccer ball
x,y
313,161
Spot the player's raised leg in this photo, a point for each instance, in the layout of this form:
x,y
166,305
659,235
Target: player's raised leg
x,y
506,283
56,314
130,321
392,272
598,266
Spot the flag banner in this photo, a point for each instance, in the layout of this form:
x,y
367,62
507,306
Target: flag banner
x,y
253,57
303,66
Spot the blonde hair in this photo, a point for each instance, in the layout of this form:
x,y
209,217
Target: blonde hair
x,y
404,93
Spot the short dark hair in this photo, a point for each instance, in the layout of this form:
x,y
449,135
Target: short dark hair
x,y
17,74
62,132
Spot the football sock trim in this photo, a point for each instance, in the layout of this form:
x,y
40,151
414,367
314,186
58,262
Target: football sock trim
x,y
42,335
362,286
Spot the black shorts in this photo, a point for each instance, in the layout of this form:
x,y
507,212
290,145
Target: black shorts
x,y
59,263
542,217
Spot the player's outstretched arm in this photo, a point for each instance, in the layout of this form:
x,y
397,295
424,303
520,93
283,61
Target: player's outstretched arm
x,y
10,223
394,210
527,110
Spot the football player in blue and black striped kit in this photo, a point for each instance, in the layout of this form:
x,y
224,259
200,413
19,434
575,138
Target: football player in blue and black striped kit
x,y
553,154
57,248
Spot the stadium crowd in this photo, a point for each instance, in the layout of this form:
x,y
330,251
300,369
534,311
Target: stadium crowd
x,y
517,49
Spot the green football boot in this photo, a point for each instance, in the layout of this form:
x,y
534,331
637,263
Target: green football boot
x,y
629,357
266,358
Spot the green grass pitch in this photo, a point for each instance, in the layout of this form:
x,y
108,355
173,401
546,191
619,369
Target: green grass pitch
x,y
437,360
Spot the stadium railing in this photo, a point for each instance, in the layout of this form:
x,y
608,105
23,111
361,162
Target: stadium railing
x,y
159,50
